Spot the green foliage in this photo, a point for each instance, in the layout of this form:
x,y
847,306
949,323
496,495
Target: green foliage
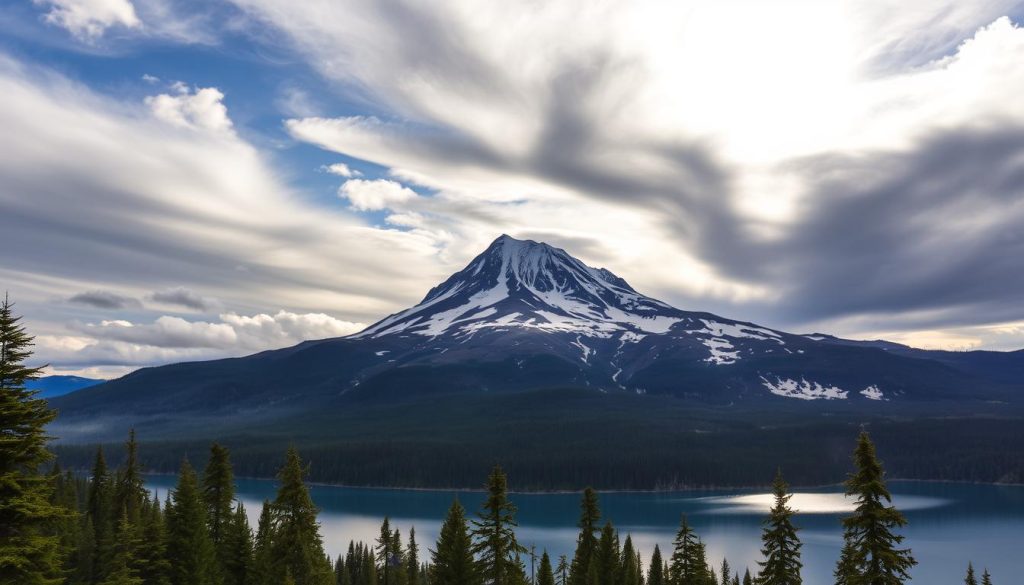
x,y
29,552
871,555
495,543
193,560
237,549
656,572
780,544
586,543
296,547
970,579
986,579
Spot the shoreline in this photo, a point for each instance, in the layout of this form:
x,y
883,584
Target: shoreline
x,y
681,490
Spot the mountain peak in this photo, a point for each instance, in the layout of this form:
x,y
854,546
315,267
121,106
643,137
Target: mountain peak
x,y
523,283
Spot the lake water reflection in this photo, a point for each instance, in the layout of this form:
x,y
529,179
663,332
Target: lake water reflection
x,y
949,523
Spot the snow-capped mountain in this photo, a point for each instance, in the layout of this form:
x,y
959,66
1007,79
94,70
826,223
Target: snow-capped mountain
x,y
524,315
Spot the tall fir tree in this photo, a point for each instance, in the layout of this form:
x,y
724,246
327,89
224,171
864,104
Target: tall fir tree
x,y
296,542
986,579
29,553
129,489
780,544
237,544
412,559
562,570
122,567
263,562
629,564
874,554
726,575
189,548
545,575
495,543
219,497
586,542
98,510
847,570
687,565
970,579
386,554
747,579
656,574
151,556
607,556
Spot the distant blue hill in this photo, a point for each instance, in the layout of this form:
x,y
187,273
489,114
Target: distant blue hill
x,y
53,386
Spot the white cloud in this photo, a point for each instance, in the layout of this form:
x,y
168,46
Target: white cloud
x,y
202,108
342,170
89,19
371,195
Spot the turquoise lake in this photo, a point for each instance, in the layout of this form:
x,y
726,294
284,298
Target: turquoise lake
x,y
949,523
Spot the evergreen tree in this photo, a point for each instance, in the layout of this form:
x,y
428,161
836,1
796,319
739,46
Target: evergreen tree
x,y
386,553
129,490
193,560
29,555
847,569
496,546
781,546
655,574
726,572
237,546
969,579
986,579
586,543
98,511
412,559
688,565
747,579
607,556
263,562
296,543
452,559
121,570
629,564
874,546
153,565
562,570
218,498
545,576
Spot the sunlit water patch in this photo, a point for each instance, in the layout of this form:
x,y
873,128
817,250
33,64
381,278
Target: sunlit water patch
x,y
810,503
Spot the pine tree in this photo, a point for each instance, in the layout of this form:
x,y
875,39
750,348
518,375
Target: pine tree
x,y
263,563
687,566
151,556
121,570
296,543
98,505
453,561
562,570
629,564
869,530
386,553
747,580
237,546
28,554
130,491
545,576
847,568
607,556
726,572
781,546
412,559
218,498
193,560
656,575
586,543
495,540
969,579
986,579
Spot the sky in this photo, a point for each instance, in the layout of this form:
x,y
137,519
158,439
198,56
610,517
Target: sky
x,y
186,180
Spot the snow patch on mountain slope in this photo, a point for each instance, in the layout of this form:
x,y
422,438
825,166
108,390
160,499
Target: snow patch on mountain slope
x,y
720,354
738,330
804,390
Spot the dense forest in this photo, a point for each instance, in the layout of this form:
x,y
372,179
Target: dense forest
x,y
106,529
